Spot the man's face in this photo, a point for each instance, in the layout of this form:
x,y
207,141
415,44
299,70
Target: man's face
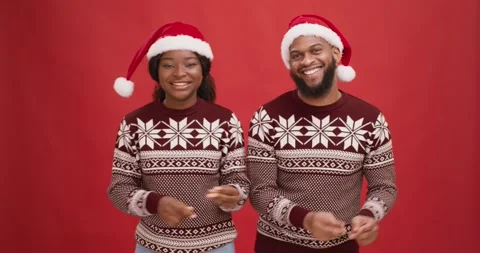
x,y
312,65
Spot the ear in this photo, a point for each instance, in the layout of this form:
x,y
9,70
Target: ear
x,y
337,55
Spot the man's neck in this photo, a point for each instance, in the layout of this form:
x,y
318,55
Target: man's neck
x,y
331,97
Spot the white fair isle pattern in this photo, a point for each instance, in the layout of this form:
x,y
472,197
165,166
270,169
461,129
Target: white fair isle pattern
x,y
279,209
318,162
124,138
137,203
242,199
381,132
320,131
210,133
181,161
184,133
295,235
183,157
126,164
261,125
175,240
147,133
348,132
287,131
376,206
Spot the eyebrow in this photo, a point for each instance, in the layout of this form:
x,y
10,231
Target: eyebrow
x,y
314,45
171,59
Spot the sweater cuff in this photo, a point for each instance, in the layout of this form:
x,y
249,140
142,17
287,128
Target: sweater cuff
x,y
366,212
152,202
297,216
242,196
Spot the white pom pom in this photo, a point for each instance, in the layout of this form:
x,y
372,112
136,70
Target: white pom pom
x,y
345,73
123,87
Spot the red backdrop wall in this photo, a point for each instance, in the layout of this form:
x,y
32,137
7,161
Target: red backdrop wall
x,y
417,60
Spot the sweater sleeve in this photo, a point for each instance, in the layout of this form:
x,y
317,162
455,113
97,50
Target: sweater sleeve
x,y
265,196
125,190
379,170
232,167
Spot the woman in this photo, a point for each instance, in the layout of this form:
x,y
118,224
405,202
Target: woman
x,y
179,160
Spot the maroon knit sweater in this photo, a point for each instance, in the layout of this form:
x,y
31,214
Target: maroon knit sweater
x,y
305,158
182,154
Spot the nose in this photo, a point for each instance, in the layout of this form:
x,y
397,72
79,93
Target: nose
x,y
179,71
307,60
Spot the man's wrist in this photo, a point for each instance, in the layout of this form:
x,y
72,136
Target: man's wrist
x,y
366,212
308,220
153,201
297,216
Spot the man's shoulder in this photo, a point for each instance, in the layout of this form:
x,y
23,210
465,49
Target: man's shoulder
x,y
278,102
363,108
362,103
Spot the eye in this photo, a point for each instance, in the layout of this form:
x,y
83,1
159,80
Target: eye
x,y
295,57
167,65
316,50
191,65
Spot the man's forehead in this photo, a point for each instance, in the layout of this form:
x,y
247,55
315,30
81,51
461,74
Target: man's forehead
x,y
303,42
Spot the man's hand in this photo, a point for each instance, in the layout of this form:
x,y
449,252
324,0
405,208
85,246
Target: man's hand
x,y
324,226
226,196
173,211
364,230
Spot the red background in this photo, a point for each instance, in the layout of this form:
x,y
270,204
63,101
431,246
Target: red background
x,y
416,60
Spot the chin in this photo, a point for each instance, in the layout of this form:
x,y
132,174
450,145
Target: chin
x,y
314,85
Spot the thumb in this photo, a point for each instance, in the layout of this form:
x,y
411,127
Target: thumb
x,y
358,221
330,220
187,211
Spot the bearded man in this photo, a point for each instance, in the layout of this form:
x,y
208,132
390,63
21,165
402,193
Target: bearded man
x,y
309,150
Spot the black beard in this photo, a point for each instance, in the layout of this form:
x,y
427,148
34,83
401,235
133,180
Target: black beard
x,y
319,90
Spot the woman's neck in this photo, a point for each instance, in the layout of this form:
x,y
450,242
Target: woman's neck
x,y
180,105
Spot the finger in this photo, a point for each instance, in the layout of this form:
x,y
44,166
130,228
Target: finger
x,y
357,222
368,227
222,197
225,190
364,234
187,211
330,220
216,197
339,232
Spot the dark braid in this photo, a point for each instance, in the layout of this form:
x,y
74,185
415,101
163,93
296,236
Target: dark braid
x,y
206,91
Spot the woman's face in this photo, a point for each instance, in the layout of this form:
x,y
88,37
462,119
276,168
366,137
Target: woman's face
x,y
179,75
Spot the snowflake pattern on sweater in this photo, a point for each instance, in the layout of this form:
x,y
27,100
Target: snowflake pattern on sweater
x,y
182,154
304,158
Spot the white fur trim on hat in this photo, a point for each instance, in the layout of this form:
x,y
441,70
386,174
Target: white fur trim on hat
x,y
123,87
180,42
308,30
345,73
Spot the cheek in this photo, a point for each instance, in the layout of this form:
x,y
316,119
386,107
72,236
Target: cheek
x,y
196,75
163,75
294,68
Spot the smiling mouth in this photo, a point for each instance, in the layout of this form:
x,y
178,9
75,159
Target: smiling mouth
x,y
180,84
312,71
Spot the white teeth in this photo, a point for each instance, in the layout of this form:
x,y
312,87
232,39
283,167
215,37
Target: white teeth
x,y
180,84
312,71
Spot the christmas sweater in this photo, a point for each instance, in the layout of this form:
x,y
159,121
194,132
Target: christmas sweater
x,y
304,158
179,153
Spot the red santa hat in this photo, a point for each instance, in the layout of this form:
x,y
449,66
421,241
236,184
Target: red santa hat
x,y
171,36
313,25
